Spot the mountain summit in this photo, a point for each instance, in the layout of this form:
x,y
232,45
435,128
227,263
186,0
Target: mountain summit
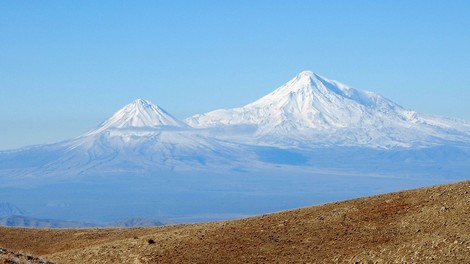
x,y
315,110
308,101
140,114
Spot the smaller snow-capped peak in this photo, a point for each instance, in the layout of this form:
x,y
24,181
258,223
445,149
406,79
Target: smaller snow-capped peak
x,y
139,114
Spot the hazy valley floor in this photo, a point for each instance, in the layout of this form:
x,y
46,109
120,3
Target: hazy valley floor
x,y
428,225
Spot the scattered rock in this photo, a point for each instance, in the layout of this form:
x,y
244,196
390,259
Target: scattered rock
x,y
10,257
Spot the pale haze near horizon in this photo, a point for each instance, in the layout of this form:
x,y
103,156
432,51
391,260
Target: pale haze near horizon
x,y
65,67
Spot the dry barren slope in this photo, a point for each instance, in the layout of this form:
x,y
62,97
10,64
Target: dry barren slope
x,y
430,225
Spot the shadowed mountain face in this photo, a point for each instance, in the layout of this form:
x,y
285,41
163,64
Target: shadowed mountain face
x,y
24,221
311,140
7,209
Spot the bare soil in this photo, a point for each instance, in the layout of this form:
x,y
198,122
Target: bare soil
x,y
428,225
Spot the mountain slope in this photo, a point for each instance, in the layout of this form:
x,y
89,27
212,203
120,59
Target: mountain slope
x,y
312,109
137,150
428,225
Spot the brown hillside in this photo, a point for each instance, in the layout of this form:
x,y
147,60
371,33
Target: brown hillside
x,y
429,225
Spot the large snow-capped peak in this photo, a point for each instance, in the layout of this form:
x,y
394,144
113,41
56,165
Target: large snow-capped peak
x,y
312,101
308,90
313,109
307,101
139,114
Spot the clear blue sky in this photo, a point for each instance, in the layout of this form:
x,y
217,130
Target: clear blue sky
x,y
65,66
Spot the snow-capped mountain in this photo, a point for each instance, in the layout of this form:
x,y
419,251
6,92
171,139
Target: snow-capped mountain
x,y
310,141
139,137
313,110
139,114
309,112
